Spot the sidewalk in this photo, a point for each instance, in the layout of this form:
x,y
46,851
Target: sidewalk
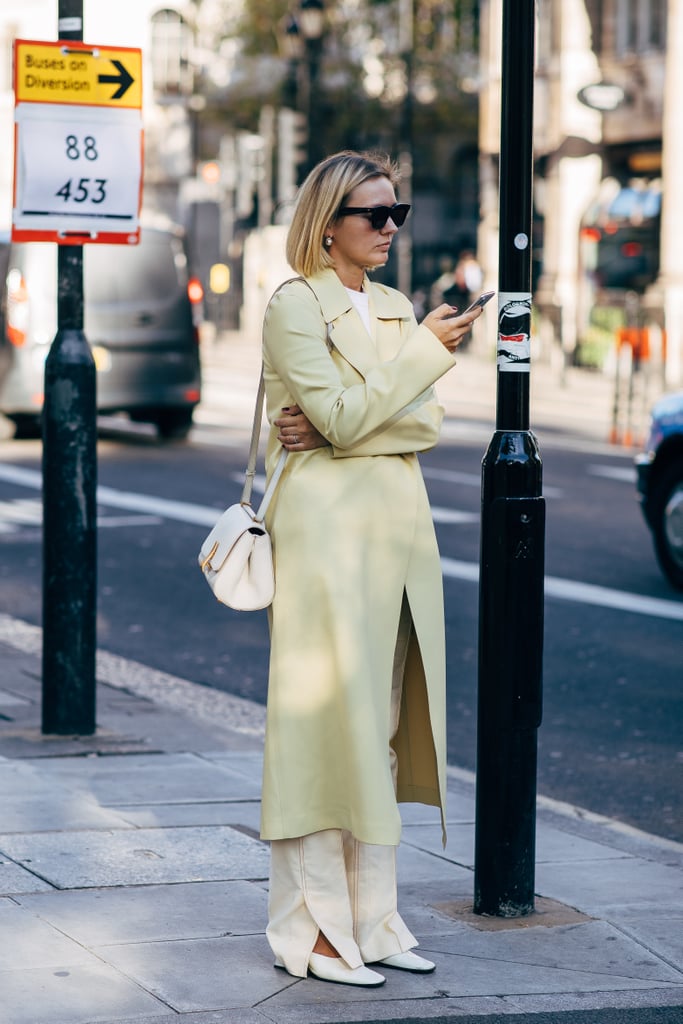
x,y
134,883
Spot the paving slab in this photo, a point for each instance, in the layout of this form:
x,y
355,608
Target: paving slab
x,y
11,700
55,809
152,778
553,844
613,834
15,879
74,995
459,848
248,763
619,883
26,942
661,932
78,860
205,974
418,865
459,810
595,947
243,813
99,917
134,724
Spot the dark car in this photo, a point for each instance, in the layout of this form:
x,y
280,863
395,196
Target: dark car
x,y
660,483
138,320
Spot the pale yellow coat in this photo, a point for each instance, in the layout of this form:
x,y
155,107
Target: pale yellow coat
x,y
352,531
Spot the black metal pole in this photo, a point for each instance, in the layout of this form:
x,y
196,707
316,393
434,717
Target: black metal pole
x,y
405,148
69,493
313,99
512,528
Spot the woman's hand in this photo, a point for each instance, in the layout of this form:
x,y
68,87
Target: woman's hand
x,y
450,328
297,433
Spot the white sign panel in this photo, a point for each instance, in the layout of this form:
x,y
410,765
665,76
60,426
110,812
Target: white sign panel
x,y
78,171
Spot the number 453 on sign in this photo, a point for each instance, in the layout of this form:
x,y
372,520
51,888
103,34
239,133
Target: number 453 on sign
x,y
78,177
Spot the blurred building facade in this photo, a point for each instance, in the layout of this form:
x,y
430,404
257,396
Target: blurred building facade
x,y
167,35
608,191
224,182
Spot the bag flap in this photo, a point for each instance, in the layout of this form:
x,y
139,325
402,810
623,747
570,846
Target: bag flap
x,y
235,521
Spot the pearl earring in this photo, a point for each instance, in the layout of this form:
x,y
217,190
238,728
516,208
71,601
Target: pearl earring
x,y
328,240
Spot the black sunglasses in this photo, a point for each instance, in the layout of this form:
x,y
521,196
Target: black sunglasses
x,y
378,215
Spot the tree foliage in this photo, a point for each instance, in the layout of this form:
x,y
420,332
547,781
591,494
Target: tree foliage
x,y
364,72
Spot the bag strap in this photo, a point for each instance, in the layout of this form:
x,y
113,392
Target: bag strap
x,y
253,446
253,454
272,484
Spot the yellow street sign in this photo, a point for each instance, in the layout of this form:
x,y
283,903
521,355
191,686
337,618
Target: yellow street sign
x,y
74,72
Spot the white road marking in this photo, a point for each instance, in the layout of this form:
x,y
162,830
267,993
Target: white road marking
x,y
28,511
626,475
117,521
201,515
453,515
454,476
582,593
182,511
21,510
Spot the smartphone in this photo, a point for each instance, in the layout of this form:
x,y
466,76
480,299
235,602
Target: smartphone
x,y
481,301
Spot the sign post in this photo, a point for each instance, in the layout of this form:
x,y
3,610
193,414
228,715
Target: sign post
x,y
78,162
512,528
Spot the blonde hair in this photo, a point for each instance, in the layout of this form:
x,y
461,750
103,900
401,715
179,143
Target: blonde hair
x,y
319,200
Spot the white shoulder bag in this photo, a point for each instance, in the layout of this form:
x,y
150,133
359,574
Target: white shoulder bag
x,y
236,558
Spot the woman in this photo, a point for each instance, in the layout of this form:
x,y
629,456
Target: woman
x,y
356,716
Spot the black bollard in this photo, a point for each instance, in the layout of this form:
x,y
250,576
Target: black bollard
x,y
69,494
512,529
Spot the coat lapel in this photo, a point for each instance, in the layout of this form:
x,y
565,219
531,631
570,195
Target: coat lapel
x,y
344,329
389,314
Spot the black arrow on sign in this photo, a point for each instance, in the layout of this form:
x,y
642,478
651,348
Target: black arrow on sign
x,y
124,80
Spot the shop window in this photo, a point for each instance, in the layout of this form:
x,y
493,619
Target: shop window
x,y
640,26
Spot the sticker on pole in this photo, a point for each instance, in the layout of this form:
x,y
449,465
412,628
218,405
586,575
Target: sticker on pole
x,y
78,143
514,332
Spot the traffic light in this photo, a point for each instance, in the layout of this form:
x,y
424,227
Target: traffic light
x,y
250,167
292,133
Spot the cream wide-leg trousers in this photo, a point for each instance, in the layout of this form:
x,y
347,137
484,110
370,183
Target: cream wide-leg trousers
x,y
330,882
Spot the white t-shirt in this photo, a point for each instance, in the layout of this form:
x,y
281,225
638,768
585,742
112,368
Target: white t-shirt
x,y
361,301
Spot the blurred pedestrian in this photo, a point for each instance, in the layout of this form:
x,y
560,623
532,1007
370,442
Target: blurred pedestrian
x,y
356,696
467,281
444,281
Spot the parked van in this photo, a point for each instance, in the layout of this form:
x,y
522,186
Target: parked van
x,y
138,320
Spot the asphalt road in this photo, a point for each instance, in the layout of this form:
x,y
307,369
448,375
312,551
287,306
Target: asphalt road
x,y
611,739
